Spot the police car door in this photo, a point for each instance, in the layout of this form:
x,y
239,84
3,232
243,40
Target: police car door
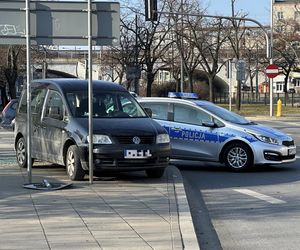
x,y
190,139
160,112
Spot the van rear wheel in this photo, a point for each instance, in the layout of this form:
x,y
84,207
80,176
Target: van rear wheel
x,y
155,173
73,164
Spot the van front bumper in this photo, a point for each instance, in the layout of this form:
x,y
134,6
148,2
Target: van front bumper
x,y
113,157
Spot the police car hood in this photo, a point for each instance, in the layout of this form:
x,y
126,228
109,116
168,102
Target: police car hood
x,y
124,126
257,129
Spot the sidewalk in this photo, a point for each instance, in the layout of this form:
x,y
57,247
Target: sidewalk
x,y
128,211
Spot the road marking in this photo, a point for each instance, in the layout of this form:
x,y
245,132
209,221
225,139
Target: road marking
x,y
260,196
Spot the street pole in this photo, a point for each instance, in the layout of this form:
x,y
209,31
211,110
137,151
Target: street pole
x,y
271,60
90,92
181,52
28,92
230,84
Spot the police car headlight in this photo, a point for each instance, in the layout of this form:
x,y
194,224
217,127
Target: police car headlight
x,y
162,138
100,139
267,139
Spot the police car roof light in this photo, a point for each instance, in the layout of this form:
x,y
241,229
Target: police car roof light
x,y
184,95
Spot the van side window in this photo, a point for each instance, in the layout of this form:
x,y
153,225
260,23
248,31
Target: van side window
x,y
37,100
54,107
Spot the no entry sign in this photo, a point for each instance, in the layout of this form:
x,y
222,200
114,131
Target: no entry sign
x,y
272,70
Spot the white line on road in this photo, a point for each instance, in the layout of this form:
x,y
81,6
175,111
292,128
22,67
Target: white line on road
x,y
260,196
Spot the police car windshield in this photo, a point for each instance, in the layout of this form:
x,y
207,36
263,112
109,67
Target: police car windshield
x,y
105,105
226,114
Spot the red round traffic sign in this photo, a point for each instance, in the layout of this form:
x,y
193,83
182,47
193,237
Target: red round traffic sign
x,y
272,70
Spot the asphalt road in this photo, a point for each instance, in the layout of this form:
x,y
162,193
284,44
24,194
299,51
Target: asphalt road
x,y
258,209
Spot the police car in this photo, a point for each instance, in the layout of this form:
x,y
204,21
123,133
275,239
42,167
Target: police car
x,y
201,130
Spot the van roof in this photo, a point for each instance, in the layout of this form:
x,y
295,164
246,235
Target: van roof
x,y
73,84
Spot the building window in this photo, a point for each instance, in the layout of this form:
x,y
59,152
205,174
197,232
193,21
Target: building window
x,y
279,15
279,86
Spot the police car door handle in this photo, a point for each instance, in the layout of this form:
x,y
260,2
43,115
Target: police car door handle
x,y
177,128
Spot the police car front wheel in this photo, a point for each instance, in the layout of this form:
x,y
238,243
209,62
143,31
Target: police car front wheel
x,y
238,156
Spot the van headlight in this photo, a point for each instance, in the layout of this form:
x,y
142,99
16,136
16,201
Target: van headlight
x,y
162,138
267,139
100,139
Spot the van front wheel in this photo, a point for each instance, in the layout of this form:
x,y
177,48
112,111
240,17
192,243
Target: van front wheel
x,y
21,152
73,164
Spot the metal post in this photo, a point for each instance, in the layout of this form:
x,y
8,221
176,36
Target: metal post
x,y
28,92
271,61
136,79
230,84
181,52
90,90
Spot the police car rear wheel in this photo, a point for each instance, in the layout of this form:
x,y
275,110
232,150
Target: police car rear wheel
x,y
238,156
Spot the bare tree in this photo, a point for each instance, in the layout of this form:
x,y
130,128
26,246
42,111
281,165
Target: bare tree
x,y
185,52
151,37
254,54
209,37
235,37
286,37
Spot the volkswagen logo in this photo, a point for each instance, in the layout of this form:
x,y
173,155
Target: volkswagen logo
x,y
136,140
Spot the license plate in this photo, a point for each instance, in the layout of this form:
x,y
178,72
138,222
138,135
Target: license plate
x,y
137,154
292,151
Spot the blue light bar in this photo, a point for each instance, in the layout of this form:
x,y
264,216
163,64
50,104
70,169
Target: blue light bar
x,y
184,95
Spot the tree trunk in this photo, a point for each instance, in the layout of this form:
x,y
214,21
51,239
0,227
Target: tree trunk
x,y
150,80
4,98
211,89
191,82
238,95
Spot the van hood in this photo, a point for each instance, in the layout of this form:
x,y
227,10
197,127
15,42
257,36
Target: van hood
x,y
123,126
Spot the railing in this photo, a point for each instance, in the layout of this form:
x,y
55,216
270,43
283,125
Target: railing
x,y
263,98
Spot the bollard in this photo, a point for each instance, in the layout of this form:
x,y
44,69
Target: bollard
x,y
279,108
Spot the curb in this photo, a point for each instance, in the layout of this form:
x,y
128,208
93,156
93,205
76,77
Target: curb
x,y
186,225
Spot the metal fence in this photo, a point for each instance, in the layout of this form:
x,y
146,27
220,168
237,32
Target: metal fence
x,y
263,98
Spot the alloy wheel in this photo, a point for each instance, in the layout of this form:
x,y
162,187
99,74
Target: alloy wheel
x,y
237,157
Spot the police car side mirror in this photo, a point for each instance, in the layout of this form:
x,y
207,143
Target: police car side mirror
x,y
148,111
209,124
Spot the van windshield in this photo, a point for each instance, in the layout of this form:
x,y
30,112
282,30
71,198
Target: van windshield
x,y
105,104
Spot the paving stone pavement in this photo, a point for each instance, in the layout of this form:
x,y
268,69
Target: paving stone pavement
x,y
126,211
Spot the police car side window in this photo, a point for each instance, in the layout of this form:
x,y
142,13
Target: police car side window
x,y
159,110
186,114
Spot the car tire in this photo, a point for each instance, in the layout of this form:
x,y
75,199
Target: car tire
x,y
21,152
73,164
155,173
238,156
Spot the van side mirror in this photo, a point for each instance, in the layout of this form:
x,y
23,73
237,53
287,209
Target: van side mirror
x,y
148,111
55,113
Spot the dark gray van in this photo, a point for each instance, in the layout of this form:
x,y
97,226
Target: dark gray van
x,y
125,137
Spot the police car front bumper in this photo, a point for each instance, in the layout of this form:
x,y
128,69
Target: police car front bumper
x,y
273,154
